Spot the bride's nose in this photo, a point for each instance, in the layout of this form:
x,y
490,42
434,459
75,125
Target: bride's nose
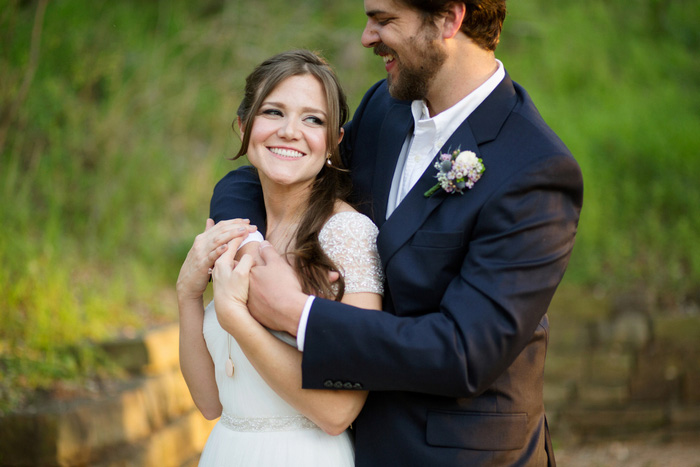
x,y
289,129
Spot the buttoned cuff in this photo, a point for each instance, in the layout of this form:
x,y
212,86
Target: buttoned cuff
x,y
301,330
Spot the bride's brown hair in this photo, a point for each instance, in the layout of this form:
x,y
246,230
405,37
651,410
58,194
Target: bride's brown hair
x,y
332,183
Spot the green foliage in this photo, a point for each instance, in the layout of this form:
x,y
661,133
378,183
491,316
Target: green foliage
x,y
108,161
619,83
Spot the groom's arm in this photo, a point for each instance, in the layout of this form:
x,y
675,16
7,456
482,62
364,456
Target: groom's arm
x,y
488,313
239,195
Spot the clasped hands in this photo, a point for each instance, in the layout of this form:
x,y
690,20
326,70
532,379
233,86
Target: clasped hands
x,y
264,287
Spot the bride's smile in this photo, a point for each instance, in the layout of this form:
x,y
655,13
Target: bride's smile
x,y
284,153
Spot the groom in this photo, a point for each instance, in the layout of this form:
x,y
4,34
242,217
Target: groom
x,y
455,364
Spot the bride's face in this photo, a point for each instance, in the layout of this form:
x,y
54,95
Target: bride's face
x,y
288,135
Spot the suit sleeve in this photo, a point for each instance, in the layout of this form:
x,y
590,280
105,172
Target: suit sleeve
x,y
517,255
239,195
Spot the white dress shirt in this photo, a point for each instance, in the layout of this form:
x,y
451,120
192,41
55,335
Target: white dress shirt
x,y
419,150
430,134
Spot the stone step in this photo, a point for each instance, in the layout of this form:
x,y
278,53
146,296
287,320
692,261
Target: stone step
x,y
177,444
155,351
80,432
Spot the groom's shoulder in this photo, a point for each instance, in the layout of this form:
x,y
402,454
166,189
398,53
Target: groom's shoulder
x,y
377,99
527,124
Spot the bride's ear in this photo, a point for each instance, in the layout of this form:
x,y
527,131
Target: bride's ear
x,y
342,133
240,126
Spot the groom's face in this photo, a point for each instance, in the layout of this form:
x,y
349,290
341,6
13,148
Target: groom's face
x,y
410,47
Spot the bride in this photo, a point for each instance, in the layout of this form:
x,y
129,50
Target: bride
x,y
291,121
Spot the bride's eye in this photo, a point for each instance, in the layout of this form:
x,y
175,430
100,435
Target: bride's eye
x,y
271,112
315,120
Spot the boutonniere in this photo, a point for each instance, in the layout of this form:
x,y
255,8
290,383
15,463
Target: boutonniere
x,y
457,171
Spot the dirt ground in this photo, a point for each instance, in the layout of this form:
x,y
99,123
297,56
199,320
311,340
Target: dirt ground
x,y
632,453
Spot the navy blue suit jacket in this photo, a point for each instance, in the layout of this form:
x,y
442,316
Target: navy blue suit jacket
x,y
455,364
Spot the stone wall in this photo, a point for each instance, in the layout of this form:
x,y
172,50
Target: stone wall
x,y
149,420
615,369
621,368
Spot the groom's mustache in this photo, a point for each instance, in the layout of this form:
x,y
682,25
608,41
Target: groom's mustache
x,y
383,49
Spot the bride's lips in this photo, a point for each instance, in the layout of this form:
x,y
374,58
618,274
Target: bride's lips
x,y
286,153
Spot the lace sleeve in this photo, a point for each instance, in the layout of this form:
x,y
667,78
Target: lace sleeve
x,y
350,240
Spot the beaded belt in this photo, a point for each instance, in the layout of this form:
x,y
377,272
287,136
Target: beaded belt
x,y
288,423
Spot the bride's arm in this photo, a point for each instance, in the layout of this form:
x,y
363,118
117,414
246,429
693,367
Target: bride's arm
x,y
195,362
278,363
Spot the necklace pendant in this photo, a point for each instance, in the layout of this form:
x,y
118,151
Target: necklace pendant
x,y
229,368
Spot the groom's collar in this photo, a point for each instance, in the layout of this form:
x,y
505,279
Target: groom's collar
x,y
487,119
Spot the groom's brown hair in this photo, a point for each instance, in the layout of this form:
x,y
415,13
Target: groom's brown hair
x,y
482,23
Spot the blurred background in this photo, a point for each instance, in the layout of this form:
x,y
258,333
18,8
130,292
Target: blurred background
x,y
115,124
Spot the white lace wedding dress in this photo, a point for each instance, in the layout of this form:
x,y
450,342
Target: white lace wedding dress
x,y
257,427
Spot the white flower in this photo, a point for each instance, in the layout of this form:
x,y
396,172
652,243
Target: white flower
x,y
467,159
456,171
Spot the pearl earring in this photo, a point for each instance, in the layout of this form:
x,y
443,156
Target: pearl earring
x,y
328,159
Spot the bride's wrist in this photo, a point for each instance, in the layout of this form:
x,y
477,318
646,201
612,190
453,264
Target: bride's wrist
x,y
184,300
234,317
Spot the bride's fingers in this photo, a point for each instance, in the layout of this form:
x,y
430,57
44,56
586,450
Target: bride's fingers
x,y
243,267
221,234
223,239
216,254
227,259
240,277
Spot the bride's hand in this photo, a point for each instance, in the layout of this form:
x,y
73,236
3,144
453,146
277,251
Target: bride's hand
x,y
230,280
206,249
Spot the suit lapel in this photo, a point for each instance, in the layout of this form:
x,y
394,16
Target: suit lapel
x,y
415,208
487,119
395,128
482,126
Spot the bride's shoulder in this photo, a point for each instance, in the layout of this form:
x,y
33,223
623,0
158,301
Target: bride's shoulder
x,y
342,206
345,214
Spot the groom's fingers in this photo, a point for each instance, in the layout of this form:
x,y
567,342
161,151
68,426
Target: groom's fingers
x,y
333,276
268,255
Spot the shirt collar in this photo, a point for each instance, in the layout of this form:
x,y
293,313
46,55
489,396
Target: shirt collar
x,y
448,120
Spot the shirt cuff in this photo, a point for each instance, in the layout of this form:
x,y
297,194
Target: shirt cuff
x,y
301,330
252,237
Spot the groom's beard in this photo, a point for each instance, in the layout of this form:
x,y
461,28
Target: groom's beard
x,y
413,80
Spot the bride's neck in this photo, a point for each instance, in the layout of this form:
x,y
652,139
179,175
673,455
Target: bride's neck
x,y
284,212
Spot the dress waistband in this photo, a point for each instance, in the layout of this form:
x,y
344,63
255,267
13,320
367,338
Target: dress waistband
x,y
258,424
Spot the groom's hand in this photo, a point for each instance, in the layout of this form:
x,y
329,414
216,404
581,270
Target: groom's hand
x,y
275,298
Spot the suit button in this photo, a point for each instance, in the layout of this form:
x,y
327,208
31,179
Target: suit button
x,y
338,385
357,386
328,383
347,385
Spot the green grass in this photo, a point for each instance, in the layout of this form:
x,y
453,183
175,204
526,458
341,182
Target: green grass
x,y
109,161
619,82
